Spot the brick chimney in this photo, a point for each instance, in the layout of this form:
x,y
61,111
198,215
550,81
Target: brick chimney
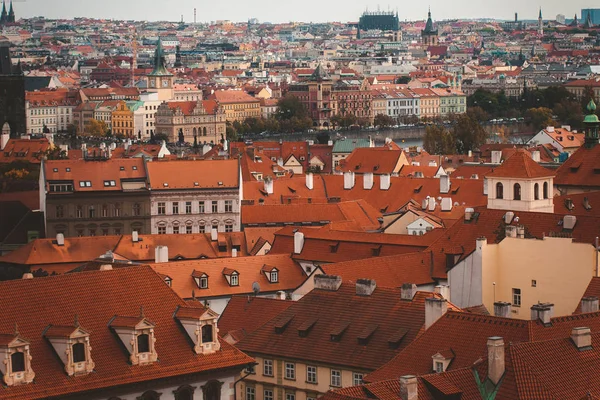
x,y
298,242
589,304
365,287
434,309
408,387
502,309
542,311
328,282
582,338
496,365
408,291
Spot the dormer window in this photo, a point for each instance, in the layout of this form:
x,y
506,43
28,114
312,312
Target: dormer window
x,y
442,360
72,345
232,276
272,273
137,335
201,326
15,360
201,279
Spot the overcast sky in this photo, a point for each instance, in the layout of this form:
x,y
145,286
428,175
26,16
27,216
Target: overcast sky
x,y
293,10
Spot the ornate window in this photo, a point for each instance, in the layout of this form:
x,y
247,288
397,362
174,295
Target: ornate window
x,y
499,191
137,335
517,191
212,390
77,357
185,392
15,360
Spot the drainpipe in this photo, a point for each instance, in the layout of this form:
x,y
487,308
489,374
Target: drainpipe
x,y
241,379
597,256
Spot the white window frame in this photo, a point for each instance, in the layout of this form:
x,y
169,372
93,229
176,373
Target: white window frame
x,y
268,367
335,378
290,371
311,374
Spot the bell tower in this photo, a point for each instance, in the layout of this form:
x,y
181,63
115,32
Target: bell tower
x,y
160,80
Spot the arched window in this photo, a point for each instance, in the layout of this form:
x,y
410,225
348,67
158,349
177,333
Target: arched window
x,y
536,191
545,190
17,361
517,192
150,395
212,390
143,343
204,131
207,333
185,392
499,191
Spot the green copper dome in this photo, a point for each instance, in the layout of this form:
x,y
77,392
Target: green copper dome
x,y
591,117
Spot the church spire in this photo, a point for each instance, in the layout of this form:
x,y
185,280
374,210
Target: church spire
x,y
159,61
592,124
3,16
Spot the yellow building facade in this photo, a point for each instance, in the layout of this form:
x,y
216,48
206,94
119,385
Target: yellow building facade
x,y
122,120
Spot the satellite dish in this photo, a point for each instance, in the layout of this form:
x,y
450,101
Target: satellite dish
x,y
255,288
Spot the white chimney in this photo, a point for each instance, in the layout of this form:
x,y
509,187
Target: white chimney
x,y
298,242
485,186
408,291
496,156
65,148
330,143
348,180
443,290
161,254
385,182
589,304
309,181
60,239
444,184
281,295
496,366
550,129
446,204
535,155
502,309
268,185
508,217
543,312
469,213
214,234
582,338
434,309
409,387
27,275
4,140
432,204
233,253
470,153
83,147
113,145
134,237
569,221
368,181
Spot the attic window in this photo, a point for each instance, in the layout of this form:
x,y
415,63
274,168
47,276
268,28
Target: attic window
x,y
282,323
220,183
141,349
376,251
597,170
418,189
396,338
68,169
134,168
338,331
54,169
15,359
201,325
122,168
366,334
196,184
455,189
77,357
85,184
575,167
334,247
110,183
306,326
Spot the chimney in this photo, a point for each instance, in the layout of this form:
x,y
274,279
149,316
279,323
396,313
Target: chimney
x,y
309,181
328,282
443,290
106,267
510,231
65,148
27,275
508,217
268,181
589,304
408,388
543,312
496,366
281,295
4,140
434,309
135,237
385,182
368,181
233,253
444,184
485,186
365,287
535,156
330,143
424,203
582,338
298,242
496,156
569,221
214,234
502,309
469,214
161,254
432,204
83,147
408,291
348,180
60,239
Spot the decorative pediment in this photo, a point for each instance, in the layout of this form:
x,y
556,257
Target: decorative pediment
x,y
137,336
72,345
200,323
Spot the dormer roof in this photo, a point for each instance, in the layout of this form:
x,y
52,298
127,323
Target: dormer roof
x,y
61,331
195,313
130,322
520,166
12,340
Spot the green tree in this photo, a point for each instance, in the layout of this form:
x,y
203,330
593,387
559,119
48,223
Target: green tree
x,y
289,107
96,128
539,118
383,121
439,140
569,113
468,134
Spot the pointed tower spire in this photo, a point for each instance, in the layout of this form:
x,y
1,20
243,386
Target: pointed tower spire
x,y
3,15
592,125
540,16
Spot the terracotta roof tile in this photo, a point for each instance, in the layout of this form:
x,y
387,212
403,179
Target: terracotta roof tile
x,y
184,174
520,165
249,313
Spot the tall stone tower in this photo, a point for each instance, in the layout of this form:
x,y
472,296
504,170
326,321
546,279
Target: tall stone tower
x,y
540,23
12,94
592,124
160,80
429,35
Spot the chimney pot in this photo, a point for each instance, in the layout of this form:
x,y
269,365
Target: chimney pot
x,y
408,387
496,365
435,308
365,287
589,304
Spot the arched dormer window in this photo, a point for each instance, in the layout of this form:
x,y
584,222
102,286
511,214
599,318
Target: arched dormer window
x,y
137,335
201,326
545,190
536,191
207,333
499,191
77,357
15,360
517,192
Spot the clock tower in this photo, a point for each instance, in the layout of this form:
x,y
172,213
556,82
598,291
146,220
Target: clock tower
x,y
160,80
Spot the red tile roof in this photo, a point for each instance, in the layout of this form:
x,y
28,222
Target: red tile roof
x,y
582,169
378,318
184,174
247,314
520,165
30,150
96,297
378,160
